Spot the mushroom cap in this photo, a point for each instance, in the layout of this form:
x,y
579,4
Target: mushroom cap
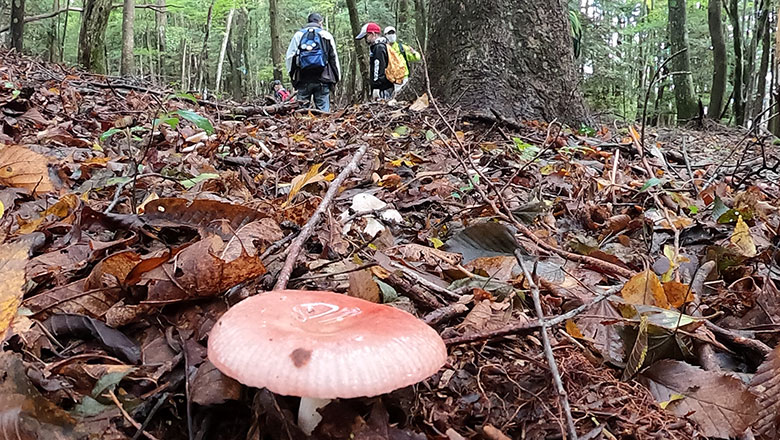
x,y
323,345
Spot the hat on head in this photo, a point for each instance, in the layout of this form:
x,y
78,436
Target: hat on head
x,y
390,30
314,18
368,28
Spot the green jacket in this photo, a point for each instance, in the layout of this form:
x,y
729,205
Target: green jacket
x,y
411,54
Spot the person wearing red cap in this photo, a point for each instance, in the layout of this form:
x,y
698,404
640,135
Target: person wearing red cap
x,y
381,87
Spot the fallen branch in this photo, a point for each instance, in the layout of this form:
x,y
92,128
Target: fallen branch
x,y
419,296
528,326
45,15
556,375
735,338
294,251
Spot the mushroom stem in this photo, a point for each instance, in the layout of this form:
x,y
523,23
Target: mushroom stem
x,y
308,417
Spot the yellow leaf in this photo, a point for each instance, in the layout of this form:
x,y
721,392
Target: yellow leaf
x,y
573,330
2,209
672,398
23,168
63,207
13,259
645,288
547,169
149,198
742,240
436,242
311,176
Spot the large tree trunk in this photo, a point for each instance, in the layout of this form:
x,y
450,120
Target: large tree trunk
x,y
513,56
128,38
276,43
684,96
360,49
738,94
92,36
17,24
238,46
223,51
719,61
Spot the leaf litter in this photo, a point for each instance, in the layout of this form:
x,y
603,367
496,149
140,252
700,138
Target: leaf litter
x,y
119,253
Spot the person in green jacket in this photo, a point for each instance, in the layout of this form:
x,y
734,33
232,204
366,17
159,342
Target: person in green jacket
x,y
406,53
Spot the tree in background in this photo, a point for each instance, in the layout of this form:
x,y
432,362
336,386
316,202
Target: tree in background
x,y
719,59
684,96
17,24
92,36
511,56
128,38
277,54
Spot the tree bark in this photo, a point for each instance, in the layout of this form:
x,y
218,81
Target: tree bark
x,y
184,83
276,43
222,51
774,122
360,50
763,70
421,23
204,50
482,61
719,59
17,24
684,97
762,21
128,39
238,46
92,35
737,94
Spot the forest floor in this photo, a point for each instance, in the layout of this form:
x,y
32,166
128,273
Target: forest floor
x,y
122,243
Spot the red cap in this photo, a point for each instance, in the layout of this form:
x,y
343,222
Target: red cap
x,y
323,345
369,28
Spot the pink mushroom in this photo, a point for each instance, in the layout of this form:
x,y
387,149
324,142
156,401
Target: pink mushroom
x,y
321,346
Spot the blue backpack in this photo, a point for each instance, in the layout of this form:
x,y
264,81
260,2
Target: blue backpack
x,y
312,55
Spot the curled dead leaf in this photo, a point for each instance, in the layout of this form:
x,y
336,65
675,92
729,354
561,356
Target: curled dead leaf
x,y
23,168
645,288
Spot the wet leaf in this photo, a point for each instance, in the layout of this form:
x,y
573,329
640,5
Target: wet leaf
x,y
482,240
719,403
23,168
13,259
211,387
85,327
645,288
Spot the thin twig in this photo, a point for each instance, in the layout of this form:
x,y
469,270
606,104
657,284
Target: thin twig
x,y
297,245
127,417
151,414
556,375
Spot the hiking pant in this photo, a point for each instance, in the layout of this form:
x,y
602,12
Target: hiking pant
x,y
320,92
397,87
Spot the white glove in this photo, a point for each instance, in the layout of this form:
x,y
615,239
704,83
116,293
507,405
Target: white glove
x,y
375,94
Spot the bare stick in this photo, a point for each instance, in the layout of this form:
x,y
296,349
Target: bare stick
x,y
528,326
548,349
127,417
297,245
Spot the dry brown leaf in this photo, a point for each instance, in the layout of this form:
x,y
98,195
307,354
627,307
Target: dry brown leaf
x,y
766,384
252,239
75,299
678,293
719,403
420,103
645,288
423,254
23,168
13,259
742,240
211,387
112,270
312,176
198,272
205,215
363,286
498,268
487,315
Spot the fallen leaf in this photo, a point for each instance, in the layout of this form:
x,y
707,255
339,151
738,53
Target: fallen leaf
x,y
420,103
112,270
742,240
638,353
678,293
312,176
13,259
211,387
719,403
645,288
363,286
83,326
205,215
482,240
766,384
252,239
23,168
418,253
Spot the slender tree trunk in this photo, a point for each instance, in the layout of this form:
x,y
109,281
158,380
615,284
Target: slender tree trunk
x,y
92,36
54,39
537,82
360,50
202,73
17,24
774,123
276,43
238,46
762,12
128,38
738,93
184,61
421,23
684,96
763,71
161,22
64,31
223,50
719,59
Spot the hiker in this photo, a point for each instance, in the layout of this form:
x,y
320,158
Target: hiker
x,y
280,93
313,63
381,86
405,52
